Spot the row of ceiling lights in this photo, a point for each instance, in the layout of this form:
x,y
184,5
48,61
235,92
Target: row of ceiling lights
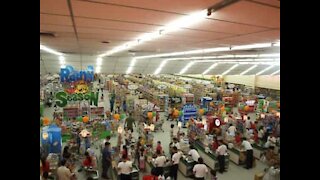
x,y
163,63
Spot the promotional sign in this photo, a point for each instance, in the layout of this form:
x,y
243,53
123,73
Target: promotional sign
x,y
76,86
68,74
62,98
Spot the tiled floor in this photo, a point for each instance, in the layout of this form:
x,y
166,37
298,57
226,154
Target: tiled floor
x,y
234,172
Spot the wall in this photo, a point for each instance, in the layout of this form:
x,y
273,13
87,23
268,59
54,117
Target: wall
x,y
265,81
270,82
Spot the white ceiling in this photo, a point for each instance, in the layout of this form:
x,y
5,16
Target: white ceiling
x,y
120,21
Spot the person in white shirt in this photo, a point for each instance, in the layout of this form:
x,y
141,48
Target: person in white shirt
x,y
249,153
232,130
125,168
175,143
200,170
159,162
221,151
63,172
273,173
175,163
194,154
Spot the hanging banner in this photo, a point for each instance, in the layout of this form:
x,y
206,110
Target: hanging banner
x,y
62,98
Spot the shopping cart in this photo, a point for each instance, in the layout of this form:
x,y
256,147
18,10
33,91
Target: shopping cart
x,y
158,125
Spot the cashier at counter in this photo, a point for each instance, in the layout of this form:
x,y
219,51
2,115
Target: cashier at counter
x,y
175,143
194,153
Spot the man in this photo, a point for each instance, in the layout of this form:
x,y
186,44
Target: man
x,y
106,160
173,144
221,151
125,168
249,152
159,163
232,130
200,170
129,122
107,139
63,172
175,163
194,154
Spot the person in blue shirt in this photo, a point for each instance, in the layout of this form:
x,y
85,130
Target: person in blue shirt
x,y
106,160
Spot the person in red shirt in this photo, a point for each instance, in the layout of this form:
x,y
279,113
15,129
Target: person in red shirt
x,y
88,161
237,138
45,165
253,125
124,151
159,147
215,144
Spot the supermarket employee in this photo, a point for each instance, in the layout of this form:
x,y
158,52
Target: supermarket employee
x,y
194,153
221,151
125,168
249,152
175,163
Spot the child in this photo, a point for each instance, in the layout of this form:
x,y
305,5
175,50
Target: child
x,y
142,160
213,175
171,131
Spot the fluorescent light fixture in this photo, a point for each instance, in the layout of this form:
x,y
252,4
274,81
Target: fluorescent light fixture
x,y
203,51
44,48
99,61
63,66
185,21
186,67
270,55
129,70
249,69
277,44
227,71
61,60
158,70
251,46
98,69
276,72
266,69
210,68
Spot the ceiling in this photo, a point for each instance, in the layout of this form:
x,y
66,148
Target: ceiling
x,y
80,27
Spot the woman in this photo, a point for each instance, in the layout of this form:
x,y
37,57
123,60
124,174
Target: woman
x,y
215,144
66,154
88,161
45,166
124,151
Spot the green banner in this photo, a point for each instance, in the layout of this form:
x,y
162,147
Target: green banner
x,y
62,98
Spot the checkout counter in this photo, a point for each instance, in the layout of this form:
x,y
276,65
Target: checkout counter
x,y
210,158
134,173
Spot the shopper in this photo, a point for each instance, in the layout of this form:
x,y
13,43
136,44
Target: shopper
x,y
221,151
87,142
249,153
175,163
124,106
194,154
213,175
215,144
66,154
200,170
142,158
159,147
87,161
232,130
124,151
63,172
106,160
107,139
129,122
125,168
273,173
45,165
